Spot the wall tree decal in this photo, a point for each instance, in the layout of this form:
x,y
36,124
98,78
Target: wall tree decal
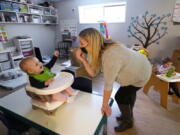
x,y
148,28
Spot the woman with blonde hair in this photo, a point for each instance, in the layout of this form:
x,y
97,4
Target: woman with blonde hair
x,y
129,68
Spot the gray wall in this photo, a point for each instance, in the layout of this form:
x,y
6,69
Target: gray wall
x,y
43,36
118,31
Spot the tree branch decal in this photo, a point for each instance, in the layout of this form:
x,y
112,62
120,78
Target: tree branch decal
x,y
148,28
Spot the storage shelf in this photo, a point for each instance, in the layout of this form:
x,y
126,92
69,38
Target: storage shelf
x,y
15,2
50,15
9,22
46,14
28,23
7,11
32,5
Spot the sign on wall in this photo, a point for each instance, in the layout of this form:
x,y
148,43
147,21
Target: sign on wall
x,y
176,14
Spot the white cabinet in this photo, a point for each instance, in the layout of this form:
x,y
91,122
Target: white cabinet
x,y
23,13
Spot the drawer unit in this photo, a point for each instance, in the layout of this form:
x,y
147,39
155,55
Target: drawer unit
x,y
28,42
25,46
6,65
6,61
4,57
27,52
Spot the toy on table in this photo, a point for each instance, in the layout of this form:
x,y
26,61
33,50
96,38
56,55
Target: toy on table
x,y
62,81
170,72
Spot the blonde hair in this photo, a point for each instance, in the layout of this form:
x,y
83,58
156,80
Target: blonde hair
x,y
96,45
24,64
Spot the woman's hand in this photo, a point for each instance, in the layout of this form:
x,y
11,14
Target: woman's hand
x,y
56,53
106,109
80,55
49,81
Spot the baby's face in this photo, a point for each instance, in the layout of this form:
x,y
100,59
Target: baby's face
x,y
168,64
35,66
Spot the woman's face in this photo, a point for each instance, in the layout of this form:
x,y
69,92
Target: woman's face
x,y
83,42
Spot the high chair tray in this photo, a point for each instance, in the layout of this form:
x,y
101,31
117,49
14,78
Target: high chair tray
x,y
62,81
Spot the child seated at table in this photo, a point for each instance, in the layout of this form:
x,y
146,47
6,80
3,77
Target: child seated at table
x,y
163,69
40,76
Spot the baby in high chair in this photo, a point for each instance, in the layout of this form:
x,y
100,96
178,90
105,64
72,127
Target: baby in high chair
x,y
40,76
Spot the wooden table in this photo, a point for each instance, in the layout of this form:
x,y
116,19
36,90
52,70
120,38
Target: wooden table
x,y
81,117
161,84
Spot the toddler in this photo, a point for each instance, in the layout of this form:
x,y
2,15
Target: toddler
x,y
163,69
40,76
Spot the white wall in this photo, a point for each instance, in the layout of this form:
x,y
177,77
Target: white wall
x,y
119,31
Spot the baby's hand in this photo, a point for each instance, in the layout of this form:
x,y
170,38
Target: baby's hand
x,y
174,73
49,81
56,53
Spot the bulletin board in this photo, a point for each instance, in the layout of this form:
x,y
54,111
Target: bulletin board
x,y
176,14
70,25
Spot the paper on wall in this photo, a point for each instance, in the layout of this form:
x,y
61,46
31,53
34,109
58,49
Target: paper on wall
x,y
176,14
70,25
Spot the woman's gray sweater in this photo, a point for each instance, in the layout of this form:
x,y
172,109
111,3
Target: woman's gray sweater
x,y
125,66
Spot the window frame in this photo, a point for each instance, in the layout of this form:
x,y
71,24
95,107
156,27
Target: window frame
x,y
103,6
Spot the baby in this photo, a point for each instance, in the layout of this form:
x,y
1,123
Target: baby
x,y
40,76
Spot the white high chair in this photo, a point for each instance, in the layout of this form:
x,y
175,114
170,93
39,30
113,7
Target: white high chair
x,y
62,81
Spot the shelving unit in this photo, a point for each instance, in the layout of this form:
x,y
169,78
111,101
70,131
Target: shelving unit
x,y
11,57
12,12
11,76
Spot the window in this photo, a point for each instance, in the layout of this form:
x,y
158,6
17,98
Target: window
x,y
108,12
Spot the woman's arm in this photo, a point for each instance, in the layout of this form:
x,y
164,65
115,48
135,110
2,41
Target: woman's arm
x,y
106,109
88,68
80,55
111,64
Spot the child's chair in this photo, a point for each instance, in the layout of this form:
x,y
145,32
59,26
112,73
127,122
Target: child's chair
x,y
41,98
176,62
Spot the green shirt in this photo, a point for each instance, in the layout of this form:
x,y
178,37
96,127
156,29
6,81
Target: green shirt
x,y
44,76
